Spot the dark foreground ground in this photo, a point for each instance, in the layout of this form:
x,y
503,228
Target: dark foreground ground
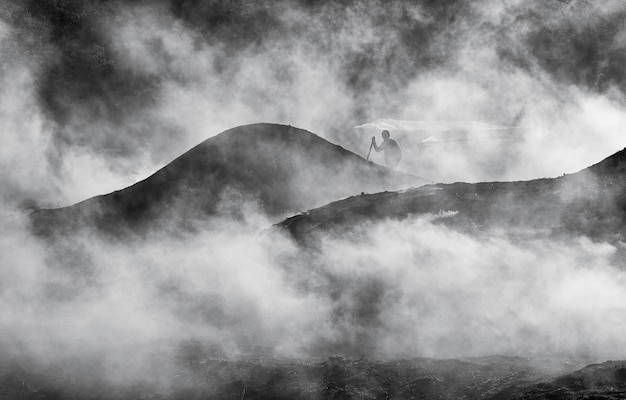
x,y
197,377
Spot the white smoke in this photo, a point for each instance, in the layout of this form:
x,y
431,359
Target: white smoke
x,y
402,289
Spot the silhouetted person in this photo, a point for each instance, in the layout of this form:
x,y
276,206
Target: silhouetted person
x,y
391,149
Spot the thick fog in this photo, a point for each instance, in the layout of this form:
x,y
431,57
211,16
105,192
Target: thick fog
x,y
392,290
102,94
98,95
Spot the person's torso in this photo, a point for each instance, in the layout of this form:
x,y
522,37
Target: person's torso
x,y
392,151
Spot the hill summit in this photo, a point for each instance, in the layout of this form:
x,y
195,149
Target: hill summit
x,y
282,169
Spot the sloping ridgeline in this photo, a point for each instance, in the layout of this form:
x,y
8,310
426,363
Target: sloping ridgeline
x,y
591,202
280,168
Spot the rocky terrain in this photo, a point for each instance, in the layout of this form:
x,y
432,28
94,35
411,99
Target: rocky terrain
x,y
197,376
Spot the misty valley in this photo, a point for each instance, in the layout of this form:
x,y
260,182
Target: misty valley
x,y
296,199
204,280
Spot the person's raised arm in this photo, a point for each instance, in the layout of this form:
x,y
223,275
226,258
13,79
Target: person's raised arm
x,y
377,148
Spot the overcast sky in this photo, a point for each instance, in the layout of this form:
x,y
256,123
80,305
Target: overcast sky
x,y
99,94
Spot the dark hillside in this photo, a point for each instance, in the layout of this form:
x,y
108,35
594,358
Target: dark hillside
x,y
606,381
282,168
591,202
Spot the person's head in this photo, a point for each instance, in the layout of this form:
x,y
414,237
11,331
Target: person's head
x,y
385,134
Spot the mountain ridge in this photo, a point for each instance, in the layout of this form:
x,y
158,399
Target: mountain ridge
x,y
281,168
591,202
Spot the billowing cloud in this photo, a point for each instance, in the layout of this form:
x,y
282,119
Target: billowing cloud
x,y
128,86
97,95
391,290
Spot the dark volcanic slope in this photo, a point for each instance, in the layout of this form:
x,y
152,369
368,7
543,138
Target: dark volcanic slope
x,y
591,202
201,377
285,169
606,381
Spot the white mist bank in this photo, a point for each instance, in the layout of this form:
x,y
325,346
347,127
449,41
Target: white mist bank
x,y
396,290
